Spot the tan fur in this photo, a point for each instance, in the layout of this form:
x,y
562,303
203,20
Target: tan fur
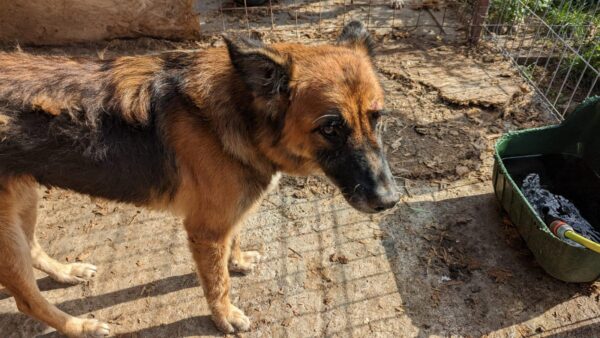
x,y
49,105
19,251
131,76
20,68
317,71
222,173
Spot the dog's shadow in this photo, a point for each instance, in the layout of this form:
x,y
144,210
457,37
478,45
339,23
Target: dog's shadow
x,y
193,326
199,325
44,284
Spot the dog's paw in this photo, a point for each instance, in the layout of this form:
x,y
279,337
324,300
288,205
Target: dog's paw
x,y
397,4
94,328
82,270
234,320
76,273
87,328
246,263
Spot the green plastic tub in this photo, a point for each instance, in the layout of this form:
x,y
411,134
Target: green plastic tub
x,y
578,135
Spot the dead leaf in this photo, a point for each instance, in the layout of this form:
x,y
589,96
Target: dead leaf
x,y
338,258
430,164
82,256
499,275
454,282
435,298
396,144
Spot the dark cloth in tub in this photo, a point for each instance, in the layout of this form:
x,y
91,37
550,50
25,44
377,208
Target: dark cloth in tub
x,y
546,204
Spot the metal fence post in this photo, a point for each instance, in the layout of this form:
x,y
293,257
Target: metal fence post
x,y
480,12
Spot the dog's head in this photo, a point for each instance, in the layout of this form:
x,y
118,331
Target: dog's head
x,y
319,108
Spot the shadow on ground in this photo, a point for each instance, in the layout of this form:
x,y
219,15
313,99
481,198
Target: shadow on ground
x,y
477,275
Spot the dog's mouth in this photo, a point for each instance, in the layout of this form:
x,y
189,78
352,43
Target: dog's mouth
x,y
374,202
370,195
359,203
363,176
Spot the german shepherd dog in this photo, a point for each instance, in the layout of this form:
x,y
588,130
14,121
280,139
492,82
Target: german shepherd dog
x,y
200,133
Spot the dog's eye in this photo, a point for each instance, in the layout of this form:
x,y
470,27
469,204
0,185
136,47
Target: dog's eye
x,y
331,129
328,130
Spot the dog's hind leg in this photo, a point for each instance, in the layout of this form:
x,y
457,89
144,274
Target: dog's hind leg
x,y
16,272
242,261
65,273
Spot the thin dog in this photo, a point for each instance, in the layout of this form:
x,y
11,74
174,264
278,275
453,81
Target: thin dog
x,y
202,134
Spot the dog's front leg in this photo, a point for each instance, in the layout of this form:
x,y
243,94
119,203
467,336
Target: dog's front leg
x,y
210,249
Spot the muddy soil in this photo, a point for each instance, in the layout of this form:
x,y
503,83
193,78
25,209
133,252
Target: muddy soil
x,y
444,262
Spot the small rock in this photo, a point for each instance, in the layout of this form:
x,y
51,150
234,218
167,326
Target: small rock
x,y
462,221
462,170
299,194
488,58
525,88
421,130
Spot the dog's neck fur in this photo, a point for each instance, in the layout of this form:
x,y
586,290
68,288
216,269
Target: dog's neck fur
x,y
226,104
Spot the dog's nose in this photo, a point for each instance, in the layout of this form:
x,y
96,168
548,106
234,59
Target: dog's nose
x,y
386,200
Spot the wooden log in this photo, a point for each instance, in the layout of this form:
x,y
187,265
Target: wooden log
x,y
50,22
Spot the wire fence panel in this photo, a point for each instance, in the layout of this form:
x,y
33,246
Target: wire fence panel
x,y
554,44
298,18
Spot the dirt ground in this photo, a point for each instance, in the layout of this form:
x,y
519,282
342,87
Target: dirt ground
x,y
444,262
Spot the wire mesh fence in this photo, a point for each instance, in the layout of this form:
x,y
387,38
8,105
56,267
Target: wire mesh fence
x,y
314,18
554,44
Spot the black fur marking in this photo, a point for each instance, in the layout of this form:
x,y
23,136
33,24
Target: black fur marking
x,y
355,33
111,159
262,75
277,126
178,60
349,169
264,78
94,152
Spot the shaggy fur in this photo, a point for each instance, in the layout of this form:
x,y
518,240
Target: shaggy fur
x,y
203,134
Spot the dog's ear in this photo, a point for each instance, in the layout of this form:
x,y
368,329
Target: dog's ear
x,y
264,70
355,35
